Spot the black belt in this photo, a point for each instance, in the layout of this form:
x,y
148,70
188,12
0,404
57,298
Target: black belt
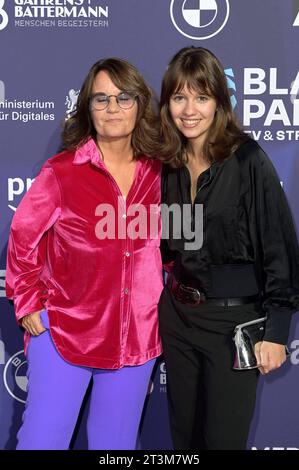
x,y
193,297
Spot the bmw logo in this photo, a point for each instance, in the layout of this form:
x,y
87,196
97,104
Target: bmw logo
x,y
14,376
199,19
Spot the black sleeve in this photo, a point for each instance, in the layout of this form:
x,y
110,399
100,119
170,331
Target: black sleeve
x,y
168,256
276,244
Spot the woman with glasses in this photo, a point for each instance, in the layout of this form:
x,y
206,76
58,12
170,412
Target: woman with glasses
x,y
246,267
84,267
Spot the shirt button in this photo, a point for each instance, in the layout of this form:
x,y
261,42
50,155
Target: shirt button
x,y
126,290
124,216
127,254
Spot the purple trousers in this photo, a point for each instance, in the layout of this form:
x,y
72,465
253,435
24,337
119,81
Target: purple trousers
x,y
56,390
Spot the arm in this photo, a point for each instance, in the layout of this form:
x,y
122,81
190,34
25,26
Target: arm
x,y
278,258
168,256
38,211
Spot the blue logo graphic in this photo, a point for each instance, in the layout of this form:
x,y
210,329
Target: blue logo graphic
x,y
230,78
199,19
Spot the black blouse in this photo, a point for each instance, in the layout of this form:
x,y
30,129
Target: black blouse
x,y
249,241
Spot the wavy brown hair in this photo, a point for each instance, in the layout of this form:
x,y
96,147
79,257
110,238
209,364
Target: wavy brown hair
x,y
199,70
79,127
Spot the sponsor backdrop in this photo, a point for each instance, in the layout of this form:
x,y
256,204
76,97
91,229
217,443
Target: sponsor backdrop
x,y
46,48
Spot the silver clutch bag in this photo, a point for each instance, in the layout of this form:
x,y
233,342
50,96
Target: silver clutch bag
x,y
246,335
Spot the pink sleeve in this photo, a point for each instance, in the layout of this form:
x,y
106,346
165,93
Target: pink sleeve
x,y
37,212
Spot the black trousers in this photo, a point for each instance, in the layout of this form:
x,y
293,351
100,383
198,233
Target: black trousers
x,y
210,404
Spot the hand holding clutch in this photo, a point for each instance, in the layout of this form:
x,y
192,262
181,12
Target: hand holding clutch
x,y
270,356
252,352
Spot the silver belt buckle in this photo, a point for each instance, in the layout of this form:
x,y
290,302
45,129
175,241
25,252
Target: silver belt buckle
x,y
192,290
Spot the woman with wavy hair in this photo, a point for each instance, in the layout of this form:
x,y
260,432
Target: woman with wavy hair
x,y
246,267
84,280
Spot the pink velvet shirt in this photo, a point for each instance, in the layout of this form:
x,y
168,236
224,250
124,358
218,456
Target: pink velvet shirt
x,y
101,294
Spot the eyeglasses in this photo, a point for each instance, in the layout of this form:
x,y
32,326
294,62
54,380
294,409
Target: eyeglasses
x,y
100,101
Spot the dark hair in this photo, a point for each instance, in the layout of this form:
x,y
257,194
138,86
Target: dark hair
x,y
198,69
79,127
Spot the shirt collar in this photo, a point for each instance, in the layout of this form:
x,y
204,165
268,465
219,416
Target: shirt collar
x,y
88,152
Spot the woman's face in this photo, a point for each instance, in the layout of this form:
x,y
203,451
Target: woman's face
x,y
113,122
193,113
